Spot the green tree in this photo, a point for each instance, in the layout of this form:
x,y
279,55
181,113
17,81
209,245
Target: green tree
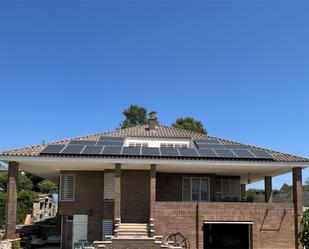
x,y
24,182
304,230
285,188
25,199
134,115
190,124
47,186
2,208
252,194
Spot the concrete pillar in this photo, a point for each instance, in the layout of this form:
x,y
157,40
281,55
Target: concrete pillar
x,y
268,189
11,205
243,193
117,201
298,202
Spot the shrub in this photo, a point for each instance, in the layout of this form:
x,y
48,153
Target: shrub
x,y
304,230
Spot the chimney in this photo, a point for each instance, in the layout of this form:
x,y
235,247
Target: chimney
x,y
153,120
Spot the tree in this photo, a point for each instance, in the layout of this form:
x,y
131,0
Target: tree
x,y
304,230
47,186
190,124
285,188
134,115
24,183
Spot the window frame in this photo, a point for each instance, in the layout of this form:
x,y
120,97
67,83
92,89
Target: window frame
x,y
200,192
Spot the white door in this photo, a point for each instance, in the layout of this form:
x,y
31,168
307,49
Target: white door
x,y
80,228
107,228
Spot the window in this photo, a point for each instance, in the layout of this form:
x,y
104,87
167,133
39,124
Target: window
x,y
109,186
173,145
195,189
138,144
67,187
227,190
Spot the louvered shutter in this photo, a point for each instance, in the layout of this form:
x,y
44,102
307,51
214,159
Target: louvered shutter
x,y
107,228
218,189
186,189
109,186
80,227
235,189
204,189
226,189
67,187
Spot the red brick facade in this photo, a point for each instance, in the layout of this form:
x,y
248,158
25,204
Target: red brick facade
x,y
272,224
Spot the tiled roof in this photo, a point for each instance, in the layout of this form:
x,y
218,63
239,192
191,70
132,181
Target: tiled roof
x,y
143,131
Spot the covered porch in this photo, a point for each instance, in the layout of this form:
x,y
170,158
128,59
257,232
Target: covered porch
x,y
143,187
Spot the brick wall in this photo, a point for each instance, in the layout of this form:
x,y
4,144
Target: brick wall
x,y
187,218
89,200
135,196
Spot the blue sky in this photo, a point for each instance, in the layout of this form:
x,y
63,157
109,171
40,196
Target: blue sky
x,y
69,68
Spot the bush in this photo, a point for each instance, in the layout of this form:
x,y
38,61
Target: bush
x,y
25,199
16,244
47,186
304,230
2,208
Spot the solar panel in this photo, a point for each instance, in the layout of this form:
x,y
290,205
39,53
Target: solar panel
x,y
111,150
225,153
132,151
261,154
115,139
53,149
206,141
236,146
73,149
92,150
110,143
204,146
84,142
169,152
218,146
207,153
243,154
188,152
146,151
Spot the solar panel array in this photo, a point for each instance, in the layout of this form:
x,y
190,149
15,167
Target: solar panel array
x,y
114,147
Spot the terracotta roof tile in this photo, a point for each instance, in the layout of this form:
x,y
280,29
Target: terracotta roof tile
x,y
143,132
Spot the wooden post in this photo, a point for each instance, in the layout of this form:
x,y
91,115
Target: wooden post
x,y
268,189
11,205
298,202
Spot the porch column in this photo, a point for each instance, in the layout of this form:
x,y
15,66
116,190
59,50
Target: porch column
x,y
153,179
268,188
11,205
117,201
243,193
298,202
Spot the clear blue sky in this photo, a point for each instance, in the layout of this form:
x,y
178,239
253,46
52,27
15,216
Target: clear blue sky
x,y
69,68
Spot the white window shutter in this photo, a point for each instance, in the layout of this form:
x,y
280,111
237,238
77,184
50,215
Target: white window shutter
x,y
186,189
107,228
80,228
109,186
67,187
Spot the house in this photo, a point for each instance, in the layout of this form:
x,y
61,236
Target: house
x,y
44,208
153,186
